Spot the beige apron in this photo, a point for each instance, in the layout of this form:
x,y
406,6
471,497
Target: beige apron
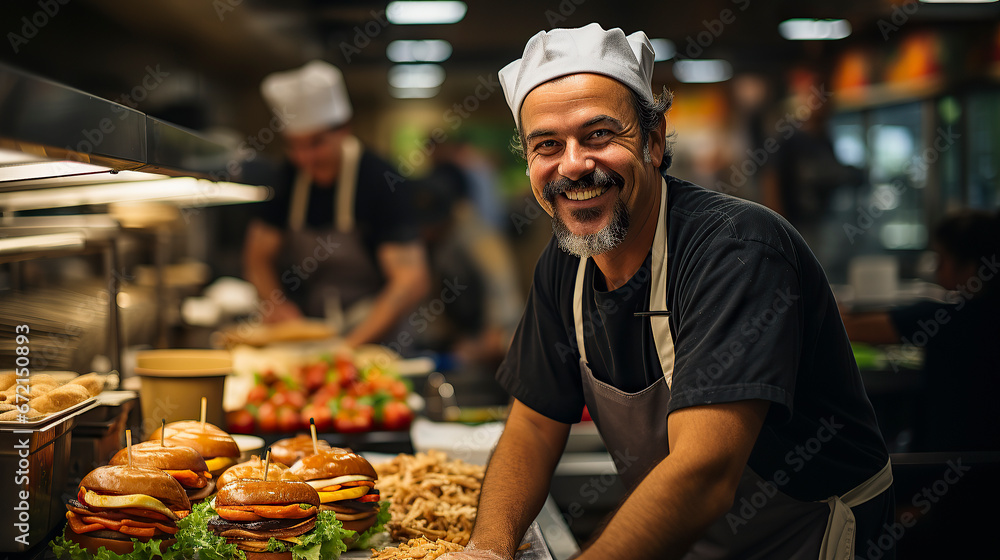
x,y
634,428
342,277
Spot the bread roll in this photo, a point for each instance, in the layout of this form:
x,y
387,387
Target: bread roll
x,y
60,398
92,382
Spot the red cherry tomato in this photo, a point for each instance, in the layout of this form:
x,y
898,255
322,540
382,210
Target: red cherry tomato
x,y
240,422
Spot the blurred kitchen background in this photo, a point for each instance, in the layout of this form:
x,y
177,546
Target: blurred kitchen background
x,y
864,122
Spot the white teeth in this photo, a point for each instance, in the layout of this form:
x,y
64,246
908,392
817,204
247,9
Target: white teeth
x,y
585,194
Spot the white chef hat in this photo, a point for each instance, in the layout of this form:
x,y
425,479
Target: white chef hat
x,y
310,98
588,49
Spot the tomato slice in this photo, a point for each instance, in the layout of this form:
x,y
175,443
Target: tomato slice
x,y
369,498
137,531
235,514
290,511
79,527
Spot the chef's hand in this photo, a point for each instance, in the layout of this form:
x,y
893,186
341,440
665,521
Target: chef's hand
x,y
284,311
471,553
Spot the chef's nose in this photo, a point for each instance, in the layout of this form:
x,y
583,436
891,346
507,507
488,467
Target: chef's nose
x,y
576,161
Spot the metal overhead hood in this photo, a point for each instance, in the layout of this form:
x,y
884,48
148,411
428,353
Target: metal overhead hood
x,y
54,136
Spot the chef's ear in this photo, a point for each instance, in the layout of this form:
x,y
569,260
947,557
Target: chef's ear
x,y
657,142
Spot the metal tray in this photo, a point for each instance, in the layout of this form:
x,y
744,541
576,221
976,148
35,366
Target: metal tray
x,y
47,421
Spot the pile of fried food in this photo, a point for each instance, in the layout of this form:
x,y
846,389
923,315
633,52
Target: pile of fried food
x,y
431,497
44,394
417,548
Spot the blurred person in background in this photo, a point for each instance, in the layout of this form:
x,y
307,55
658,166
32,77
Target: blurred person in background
x,y
697,328
339,237
961,371
468,253
800,175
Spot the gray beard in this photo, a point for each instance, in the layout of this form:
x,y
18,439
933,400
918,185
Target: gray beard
x,y
588,245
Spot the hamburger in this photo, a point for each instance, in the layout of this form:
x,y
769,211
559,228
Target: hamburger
x,y
346,485
254,468
181,462
216,446
118,503
289,450
252,512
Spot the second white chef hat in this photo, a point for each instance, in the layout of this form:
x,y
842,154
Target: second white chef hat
x,y
310,98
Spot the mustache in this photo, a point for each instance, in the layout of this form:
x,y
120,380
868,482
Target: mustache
x,y
597,178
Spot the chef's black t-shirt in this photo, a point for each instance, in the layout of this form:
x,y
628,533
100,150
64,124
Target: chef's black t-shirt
x,y
752,316
383,209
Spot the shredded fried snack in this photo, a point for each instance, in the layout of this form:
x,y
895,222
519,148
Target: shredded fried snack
x,y
431,496
417,548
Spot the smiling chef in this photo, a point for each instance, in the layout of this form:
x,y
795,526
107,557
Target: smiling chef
x,y
698,328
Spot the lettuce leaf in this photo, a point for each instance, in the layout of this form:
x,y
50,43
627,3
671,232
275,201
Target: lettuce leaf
x,y
363,541
195,540
70,550
325,541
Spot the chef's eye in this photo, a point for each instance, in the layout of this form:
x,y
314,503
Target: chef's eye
x,y
601,135
546,147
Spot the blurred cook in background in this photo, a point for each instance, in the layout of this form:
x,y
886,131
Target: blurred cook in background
x,y
339,236
959,337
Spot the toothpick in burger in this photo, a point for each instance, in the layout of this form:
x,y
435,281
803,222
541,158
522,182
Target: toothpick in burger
x,y
215,445
346,485
254,469
276,520
118,503
183,463
289,450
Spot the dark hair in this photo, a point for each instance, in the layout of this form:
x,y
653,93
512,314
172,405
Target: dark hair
x,y
648,113
969,235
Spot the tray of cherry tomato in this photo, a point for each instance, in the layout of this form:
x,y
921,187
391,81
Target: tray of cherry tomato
x,y
333,391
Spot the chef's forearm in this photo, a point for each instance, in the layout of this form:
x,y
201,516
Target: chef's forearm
x,y
517,479
690,489
391,304
404,266
663,516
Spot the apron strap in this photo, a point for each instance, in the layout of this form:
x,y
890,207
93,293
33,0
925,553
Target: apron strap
x,y
660,324
347,183
300,201
578,309
838,540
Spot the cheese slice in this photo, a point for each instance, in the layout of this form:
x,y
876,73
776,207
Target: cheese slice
x,y
217,463
293,540
141,501
345,494
324,482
